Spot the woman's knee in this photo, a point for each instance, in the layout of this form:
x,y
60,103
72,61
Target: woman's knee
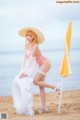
x,y
35,82
37,78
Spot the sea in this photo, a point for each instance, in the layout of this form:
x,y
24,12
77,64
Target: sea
x,y
10,64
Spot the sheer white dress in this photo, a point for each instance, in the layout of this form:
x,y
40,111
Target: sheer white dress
x,y
22,90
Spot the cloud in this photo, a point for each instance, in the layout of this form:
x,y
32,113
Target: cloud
x,y
39,10
50,17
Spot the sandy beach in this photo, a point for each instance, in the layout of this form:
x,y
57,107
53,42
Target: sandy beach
x,y
70,108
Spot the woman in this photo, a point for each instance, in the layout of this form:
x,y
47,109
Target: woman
x,y
34,37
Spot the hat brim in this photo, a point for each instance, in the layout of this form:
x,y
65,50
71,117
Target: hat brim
x,y
40,36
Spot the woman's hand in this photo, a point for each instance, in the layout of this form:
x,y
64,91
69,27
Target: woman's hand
x,y
22,75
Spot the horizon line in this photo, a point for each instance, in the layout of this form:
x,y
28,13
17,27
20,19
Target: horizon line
x,y
41,49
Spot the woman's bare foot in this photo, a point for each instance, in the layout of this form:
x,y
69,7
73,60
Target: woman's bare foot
x,y
57,88
43,110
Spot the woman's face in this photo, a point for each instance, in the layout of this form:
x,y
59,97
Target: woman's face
x,y
30,37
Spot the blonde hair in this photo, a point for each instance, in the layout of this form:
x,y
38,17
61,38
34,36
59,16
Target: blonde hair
x,y
34,37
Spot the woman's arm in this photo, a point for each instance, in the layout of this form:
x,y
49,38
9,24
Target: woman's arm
x,y
35,50
24,59
28,64
21,73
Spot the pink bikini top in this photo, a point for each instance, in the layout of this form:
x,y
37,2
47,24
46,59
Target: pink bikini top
x,y
29,52
38,57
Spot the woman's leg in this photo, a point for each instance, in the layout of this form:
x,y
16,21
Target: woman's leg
x,y
38,79
42,94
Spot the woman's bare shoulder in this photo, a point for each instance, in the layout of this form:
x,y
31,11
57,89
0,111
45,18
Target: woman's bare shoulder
x,y
35,46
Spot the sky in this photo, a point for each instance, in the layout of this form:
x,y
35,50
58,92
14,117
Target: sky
x,y
50,17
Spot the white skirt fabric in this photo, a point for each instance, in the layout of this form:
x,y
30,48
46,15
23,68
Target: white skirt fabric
x,y
22,95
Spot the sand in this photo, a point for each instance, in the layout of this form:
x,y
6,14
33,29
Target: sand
x,y
70,108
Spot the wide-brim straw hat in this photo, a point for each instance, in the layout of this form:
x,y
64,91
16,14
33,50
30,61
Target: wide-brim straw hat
x,y
40,36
